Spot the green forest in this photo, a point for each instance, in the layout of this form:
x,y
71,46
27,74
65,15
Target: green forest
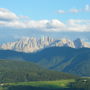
x,y
20,71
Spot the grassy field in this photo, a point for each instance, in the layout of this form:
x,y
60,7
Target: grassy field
x,y
38,85
45,85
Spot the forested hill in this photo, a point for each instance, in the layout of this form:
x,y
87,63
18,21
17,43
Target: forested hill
x,y
20,71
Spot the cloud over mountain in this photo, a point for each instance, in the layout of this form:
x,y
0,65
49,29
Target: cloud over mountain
x,y
11,20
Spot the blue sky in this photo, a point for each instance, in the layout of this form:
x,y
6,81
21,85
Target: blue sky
x,y
56,18
46,9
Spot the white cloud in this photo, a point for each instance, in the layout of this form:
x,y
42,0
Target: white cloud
x,y
74,10
79,25
14,21
55,23
61,11
6,15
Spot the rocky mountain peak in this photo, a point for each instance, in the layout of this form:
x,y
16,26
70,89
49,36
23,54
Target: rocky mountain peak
x,y
34,44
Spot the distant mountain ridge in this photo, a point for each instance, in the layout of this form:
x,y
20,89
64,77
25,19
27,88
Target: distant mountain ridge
x,y
33,44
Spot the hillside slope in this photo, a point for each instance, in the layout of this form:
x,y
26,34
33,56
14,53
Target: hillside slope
x,y
76,61
63,59
20,71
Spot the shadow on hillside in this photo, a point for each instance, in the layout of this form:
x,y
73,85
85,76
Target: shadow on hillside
x,y
38,88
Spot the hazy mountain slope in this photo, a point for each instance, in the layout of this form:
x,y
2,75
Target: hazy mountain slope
x,y
63,59
80,65
75,61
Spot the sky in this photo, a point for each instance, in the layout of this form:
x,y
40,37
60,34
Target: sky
x,y
55,18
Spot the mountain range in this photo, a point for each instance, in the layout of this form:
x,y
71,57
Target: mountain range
x,y
62,59
34,44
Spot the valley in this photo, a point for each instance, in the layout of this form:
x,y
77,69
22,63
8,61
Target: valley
x,y
44,44
53,68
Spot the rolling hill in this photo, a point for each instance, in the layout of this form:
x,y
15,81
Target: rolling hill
x,y
23,71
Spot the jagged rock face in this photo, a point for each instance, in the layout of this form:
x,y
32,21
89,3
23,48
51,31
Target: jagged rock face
x,y
63,42
34,44
80,44
28,44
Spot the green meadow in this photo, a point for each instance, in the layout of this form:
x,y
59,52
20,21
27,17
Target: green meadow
x,y
47,84
39,85
69,84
